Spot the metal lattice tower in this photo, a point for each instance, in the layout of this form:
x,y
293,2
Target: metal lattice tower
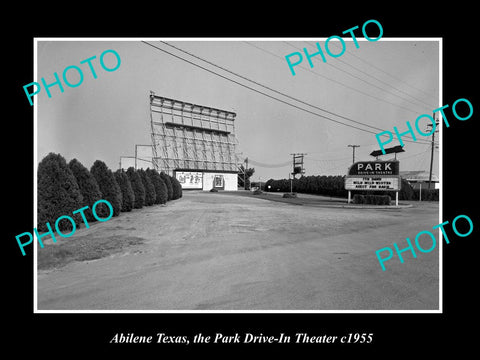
x,y
186,136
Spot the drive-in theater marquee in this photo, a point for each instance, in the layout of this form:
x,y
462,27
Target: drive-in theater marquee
x,y
373,176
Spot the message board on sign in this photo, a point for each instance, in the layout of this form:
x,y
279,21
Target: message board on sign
x,y
373,183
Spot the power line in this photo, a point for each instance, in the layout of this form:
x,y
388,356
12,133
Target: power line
x,y
336,81
392,76
422,161
256,90
263,93
257,163
383,82
359,78
273,90
338,159
413,155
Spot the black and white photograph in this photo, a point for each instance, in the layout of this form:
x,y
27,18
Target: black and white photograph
x,y
244,148
299,182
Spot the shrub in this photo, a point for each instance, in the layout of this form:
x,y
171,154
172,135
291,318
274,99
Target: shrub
x,y
427,194
166,180
358,199
137,187
88,187
319,185
257,192
384,200
372,199
406,191
150,194
128,197
268,185
289,195
213,190
108,186
161,191
58,193
176,188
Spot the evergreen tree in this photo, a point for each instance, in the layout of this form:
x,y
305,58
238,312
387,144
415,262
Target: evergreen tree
x,y
128,197
58,193
166,180
150,195
137,187
176,187
108,186
161,190
88,187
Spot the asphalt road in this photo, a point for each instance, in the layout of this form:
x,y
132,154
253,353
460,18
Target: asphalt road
x,y
211,251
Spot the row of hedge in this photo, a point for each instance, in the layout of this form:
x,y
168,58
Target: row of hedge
x,y
63,188
319,185
372,199
335,186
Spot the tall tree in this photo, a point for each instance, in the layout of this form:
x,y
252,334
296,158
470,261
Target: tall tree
x,y
161,190
108,185
150,195
168,182
137,187
128,197
176,188
58,193
88,187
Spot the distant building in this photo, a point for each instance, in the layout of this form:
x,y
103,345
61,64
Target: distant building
x,y
418,178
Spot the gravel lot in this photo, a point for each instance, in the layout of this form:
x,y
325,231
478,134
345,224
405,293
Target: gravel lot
x,y
213,251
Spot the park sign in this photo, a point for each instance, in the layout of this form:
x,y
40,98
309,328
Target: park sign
x,y
374,176
375,168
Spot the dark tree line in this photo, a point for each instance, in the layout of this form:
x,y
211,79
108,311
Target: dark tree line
x,y
63,188
335,186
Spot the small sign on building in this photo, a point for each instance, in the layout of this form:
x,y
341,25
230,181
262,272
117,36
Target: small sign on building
x,y
190,179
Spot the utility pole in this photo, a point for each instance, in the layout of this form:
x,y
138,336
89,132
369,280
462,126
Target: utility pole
x,y
244,174
297,167
136,156
353,148
429,126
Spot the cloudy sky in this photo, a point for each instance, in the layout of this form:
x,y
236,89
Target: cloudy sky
x,y
381,84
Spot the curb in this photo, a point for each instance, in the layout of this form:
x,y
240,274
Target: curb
x,y
373,207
